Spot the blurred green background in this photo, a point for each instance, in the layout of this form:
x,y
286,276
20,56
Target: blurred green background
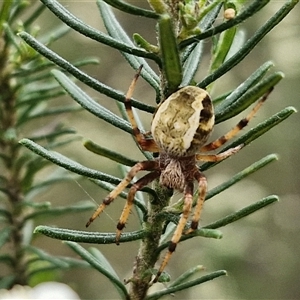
x,y
259,252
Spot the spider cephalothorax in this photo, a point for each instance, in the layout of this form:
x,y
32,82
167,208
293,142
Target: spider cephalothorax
x,y
176,171
180,127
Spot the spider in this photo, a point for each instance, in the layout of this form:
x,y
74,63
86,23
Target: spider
x,y
180,128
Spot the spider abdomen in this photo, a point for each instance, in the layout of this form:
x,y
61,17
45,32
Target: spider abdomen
x,y
183,122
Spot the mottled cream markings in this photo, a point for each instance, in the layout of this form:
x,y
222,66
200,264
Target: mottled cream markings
x,y
177,120
194,119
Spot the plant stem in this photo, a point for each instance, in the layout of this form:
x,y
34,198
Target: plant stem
x,y
147,255
9,150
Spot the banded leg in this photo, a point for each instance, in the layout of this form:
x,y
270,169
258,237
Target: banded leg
x,y
145,144
130,198
144,165
202,189
220,156
234,131
188,201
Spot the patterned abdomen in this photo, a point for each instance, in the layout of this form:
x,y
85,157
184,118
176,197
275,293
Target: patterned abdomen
x,y
183,122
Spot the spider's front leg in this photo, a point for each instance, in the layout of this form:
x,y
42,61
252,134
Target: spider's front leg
x,y
187,207
202,182
202,189
145,180
144,165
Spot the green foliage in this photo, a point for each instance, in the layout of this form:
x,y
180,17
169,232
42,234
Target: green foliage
x,y
28,94
32,76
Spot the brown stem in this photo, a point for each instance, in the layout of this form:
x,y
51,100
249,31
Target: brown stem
x,y
9,150
147,255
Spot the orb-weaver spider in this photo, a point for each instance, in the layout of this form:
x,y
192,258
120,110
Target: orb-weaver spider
x,y
180,127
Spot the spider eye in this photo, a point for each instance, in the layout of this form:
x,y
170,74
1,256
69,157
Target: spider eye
x,y
183,122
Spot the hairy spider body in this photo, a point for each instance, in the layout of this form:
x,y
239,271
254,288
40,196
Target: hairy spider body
x,y
180,127
174,172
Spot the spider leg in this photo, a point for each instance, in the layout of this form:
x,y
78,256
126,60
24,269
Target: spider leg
x,y
130,198
145,143
219,156
188,201
202,188
202,183
144,165
234,131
